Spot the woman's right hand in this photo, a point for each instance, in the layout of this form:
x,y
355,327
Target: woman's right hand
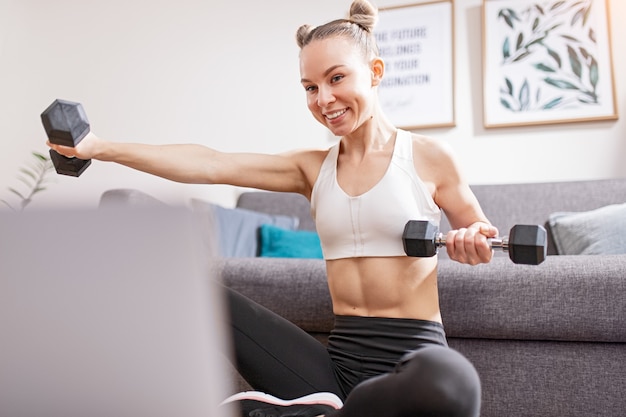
x,y
87,148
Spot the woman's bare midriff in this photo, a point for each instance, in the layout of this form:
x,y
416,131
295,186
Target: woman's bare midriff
x,y
397,287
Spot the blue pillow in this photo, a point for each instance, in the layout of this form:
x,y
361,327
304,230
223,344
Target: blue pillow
x,y
237,228
277,242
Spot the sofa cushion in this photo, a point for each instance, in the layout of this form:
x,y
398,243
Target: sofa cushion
x,y
594,232
237,228
295,289
567,298
277,242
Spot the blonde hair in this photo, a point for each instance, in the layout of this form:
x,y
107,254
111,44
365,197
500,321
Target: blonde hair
x,y
359,28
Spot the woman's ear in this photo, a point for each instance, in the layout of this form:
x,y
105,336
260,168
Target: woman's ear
x,y
378,70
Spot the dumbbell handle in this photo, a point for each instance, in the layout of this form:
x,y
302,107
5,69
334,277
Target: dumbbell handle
x,y
525,244
494,243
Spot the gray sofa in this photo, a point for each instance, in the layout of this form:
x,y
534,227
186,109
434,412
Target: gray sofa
x,y
547,340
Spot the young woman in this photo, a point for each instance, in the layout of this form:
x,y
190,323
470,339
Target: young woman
x,y
387,355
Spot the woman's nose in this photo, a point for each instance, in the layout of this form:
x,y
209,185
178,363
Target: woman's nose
x,y
324,97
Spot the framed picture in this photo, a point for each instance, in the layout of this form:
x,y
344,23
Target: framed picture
x,y
416,43
547,61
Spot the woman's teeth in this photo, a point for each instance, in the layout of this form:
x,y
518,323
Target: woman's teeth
x,y
336,114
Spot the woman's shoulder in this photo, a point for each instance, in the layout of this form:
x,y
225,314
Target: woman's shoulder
x,y
424,145
309,163
308,156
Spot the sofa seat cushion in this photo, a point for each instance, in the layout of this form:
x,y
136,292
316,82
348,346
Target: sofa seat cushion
x,y
295,289
566,298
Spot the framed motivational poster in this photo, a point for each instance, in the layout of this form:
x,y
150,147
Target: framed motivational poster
x,y
417,44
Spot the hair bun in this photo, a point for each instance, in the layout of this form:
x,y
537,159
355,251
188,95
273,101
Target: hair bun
x,y
364,14
303,34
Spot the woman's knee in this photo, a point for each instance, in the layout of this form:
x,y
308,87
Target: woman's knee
x,y
445,380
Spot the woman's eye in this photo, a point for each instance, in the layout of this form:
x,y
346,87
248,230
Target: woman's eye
x,y
309,88
336,78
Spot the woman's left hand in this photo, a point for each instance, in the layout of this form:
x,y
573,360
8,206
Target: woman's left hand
x,y
470,245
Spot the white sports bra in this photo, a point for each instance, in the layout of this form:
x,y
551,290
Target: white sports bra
x,y
371,224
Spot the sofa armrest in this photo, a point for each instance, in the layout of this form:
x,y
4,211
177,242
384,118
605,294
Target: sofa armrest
x,y
568,298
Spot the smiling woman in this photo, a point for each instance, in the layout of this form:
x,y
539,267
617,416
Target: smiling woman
x,y
362,190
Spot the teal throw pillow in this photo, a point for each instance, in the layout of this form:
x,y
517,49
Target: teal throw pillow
x,y
277,242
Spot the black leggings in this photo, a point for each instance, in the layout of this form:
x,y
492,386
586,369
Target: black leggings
x,y
377,366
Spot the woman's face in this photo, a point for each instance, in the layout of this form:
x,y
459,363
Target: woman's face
x,y
339,84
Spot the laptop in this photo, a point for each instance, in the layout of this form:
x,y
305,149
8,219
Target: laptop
x,y
108,312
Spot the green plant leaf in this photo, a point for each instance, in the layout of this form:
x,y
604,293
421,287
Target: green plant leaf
x,y
562,84
574,61
520,41
536,41
580,14
524,95
29,173
535,23
544,67
553,27
570,38
17,193
509,16
506,49
538,95
509,86
521,56
554,56
588,97
505,104
577,16
578,3
593,73
40,156
592,35
586,17
585,53
552,103
26,181
556,5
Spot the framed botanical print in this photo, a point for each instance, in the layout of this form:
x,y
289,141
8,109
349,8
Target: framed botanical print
x,y
547,61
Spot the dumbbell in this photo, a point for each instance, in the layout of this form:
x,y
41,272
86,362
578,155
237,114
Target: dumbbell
x,y
526,244
66,124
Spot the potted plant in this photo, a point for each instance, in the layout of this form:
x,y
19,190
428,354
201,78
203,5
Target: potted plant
x,y
34,177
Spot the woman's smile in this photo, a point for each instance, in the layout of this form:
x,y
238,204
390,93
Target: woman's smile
x,y
334,115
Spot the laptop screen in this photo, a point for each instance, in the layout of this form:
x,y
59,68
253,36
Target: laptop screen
x,y
106,313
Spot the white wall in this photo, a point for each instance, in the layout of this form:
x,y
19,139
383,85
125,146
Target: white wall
x,y
225,74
